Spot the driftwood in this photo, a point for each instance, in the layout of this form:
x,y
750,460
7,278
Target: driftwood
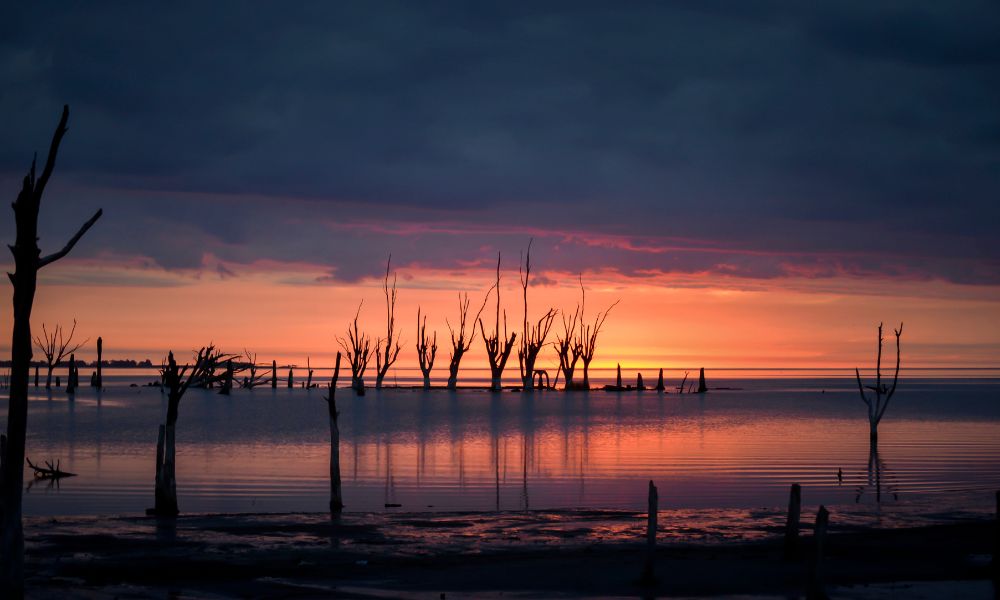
x,y
49,471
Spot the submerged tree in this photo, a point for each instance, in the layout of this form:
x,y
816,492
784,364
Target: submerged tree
x,y
358,347
27,262
384,357
459,345
56,347
497,348
336,495
252,378
568,345
882,393
532,336
587,336
202,374
427,348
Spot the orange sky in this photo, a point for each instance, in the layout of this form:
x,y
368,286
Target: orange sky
x,y
279,311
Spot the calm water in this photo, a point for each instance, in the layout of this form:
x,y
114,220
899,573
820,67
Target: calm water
x,y
267,450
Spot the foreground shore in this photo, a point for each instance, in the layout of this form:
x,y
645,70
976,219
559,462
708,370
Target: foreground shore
x,y
486,555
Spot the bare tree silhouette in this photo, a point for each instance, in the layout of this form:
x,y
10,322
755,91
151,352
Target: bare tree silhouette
x,y
202,374
391,340
883,394
587,337
532,336
459,345
568,346
27,262
336,495
426,349
497,348
252,378
358,348
55,347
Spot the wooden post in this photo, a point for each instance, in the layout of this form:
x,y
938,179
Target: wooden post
x,y
659,382
648,572
100,353
618,380
702,388
70,380
290,383
792,524
815,590
274,374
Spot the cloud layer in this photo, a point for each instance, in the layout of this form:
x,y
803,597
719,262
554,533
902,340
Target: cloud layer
x,y
761,140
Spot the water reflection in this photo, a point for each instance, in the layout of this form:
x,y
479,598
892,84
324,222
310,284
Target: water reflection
x,y
267,450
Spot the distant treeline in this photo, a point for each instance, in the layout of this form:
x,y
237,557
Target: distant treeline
x,y
107,364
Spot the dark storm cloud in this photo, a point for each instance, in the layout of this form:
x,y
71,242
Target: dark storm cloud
x,y
811,138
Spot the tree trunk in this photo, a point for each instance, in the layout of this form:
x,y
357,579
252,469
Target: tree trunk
x,y
274,374
100,352
453,378
48,378
792,522
36,376
166,481
586,374
336,493
495,384
427,380
872,435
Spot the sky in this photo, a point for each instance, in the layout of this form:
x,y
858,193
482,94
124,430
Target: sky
x,y
759,183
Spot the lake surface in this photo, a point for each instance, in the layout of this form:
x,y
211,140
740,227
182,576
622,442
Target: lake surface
x,y
267,450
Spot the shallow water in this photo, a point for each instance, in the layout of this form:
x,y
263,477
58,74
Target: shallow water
x,y
267,450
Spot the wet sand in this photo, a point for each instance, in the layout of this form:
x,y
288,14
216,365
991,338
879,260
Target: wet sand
x,y
488,555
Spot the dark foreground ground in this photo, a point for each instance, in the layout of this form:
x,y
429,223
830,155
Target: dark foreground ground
x,y
489,555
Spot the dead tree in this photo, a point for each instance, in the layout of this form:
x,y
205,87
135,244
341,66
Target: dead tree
x,y
532,336
72,376
309,379
568,347
384,357
882,394
459,345
178,380
357,346
227,379
27,262
426,349
55,347
336,494
252,379
587,337
497,348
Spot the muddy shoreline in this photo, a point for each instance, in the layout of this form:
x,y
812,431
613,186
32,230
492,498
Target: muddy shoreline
x,y
535,554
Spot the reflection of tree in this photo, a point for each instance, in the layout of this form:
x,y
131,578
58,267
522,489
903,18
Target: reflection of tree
x,y
877,479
